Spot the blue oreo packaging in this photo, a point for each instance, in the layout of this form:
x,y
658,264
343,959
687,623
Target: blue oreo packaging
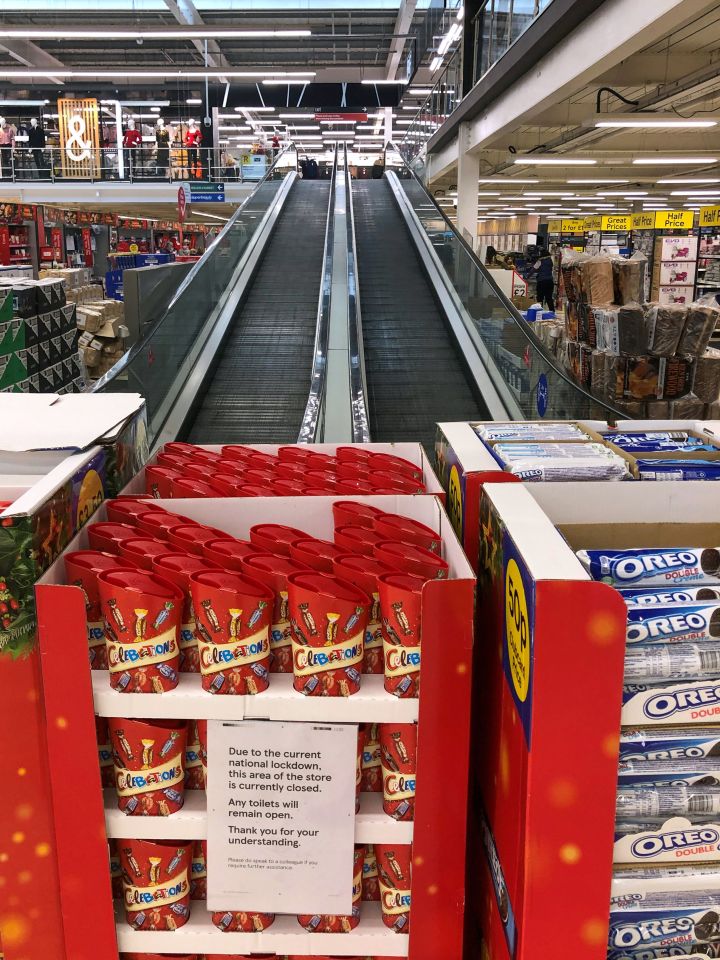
x,y
673,623
659,441
649,597
704,771
671,704
666,920
651,842
663,743
654,566
678,469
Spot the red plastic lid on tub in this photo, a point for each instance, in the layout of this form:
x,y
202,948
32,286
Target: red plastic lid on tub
x,y
362,571
408,558
209,457
321,478
107,537
229,553
190,537
391,526
96,560
159,481
177,567
262,461
172,460
290,470
354,454
357,540
176,448
288,488
258,476
397,482
158,522
358,487
318,554
271,569
275,537
141,550
321,461
254,490
294,453
128,510
194,487
322,491
354,513
389,463
228,483
231,580
351,470
143,582
236,451
197,470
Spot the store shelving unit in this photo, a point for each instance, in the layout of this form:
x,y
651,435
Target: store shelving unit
x,y
95,928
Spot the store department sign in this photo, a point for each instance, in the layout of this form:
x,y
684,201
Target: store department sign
x,y
593,223
79,138
643,221
573,226
555,226
616,223
709,216
674,219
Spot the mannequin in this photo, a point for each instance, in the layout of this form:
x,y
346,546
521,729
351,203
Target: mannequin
x,y
37,142
23,168
7,141
131,142
193,139
162,139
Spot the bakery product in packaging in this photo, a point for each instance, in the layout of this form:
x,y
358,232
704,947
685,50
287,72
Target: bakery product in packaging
x,y
700,323
665,326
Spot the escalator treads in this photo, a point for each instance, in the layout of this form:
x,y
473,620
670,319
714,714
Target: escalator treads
x,y
260,385
414,373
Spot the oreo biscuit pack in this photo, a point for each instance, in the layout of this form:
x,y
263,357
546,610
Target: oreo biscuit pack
x,y
643,802
678,469
671,661
663,920
673,623
663,743
705,952
657,841
561,461
671,704
631,884
654,566
659,441
529,431
641,597
704,771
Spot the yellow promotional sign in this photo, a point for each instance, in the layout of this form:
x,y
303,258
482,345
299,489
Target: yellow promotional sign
x,y
573,226
617,222
709,216
674,219
643,221
593,223
555,226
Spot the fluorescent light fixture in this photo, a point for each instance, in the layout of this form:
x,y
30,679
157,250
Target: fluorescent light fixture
x,y
154,74
383,83
296,116
508,182
353,122
435,63
280,83
213,216
170,33
689,180
256,109
303,126
548,193
155,109
420,91
193,101
139,103
634,195
695,193
650,161
450,37
527,160
23,103
488,193
597,180
649,121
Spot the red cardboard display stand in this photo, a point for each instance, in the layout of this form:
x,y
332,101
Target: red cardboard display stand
x,y
84,818
549,710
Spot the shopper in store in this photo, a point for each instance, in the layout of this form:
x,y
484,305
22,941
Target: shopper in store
x,y
490,256
275,145
543,268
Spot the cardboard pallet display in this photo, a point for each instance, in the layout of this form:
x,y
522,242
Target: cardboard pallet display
x,y
546,751
442,712
64,456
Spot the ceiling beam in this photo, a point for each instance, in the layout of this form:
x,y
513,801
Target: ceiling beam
x,y
402,27
186,13
653,68
30,55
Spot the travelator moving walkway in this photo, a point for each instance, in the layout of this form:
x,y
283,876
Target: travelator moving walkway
x,y
340,310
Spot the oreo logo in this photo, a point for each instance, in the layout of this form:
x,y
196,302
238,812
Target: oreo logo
x,y
627,569
666,704
655,844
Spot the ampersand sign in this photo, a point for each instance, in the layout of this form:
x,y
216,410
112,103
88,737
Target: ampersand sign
x,y
75,142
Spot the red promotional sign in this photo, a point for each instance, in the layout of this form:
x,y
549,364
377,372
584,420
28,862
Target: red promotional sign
x,y
339,117
87,247
56,241
182,204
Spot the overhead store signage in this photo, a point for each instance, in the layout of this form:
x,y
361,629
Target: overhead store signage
x,y
555,226
339,117
593,223
83,217
573,226
643,221
16,212
207,193
616,222
709,216
674,219
79,138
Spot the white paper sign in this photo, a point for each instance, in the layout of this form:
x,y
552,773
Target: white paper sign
x,y
281,816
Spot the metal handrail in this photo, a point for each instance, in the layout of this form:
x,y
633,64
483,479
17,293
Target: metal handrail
x,y
514,314
315,407
358,379
199,265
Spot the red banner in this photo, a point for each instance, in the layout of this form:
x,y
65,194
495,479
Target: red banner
x,y
339,117
87,247
56,242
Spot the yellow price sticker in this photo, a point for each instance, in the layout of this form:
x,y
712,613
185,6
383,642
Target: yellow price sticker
x,y
517,630
455,501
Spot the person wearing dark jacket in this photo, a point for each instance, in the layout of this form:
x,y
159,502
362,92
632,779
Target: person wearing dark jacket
x,y
545,282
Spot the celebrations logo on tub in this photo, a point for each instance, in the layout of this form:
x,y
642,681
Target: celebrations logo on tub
x,y
161,894
397,786
219,656
310,660
394,901
157,650
131,782
401,660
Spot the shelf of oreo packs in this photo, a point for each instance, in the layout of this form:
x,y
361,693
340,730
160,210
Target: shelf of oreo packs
x,y
647,359
38,338
318,627
642,817
565,451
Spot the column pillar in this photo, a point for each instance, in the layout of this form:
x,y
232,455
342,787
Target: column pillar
x,y
467,188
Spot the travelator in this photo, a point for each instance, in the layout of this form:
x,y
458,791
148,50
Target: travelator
x,y
340,310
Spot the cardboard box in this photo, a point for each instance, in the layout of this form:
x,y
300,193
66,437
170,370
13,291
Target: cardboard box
x,y
677,273
676,294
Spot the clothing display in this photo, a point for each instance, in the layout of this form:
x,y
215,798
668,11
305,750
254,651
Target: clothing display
x,y
162,139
